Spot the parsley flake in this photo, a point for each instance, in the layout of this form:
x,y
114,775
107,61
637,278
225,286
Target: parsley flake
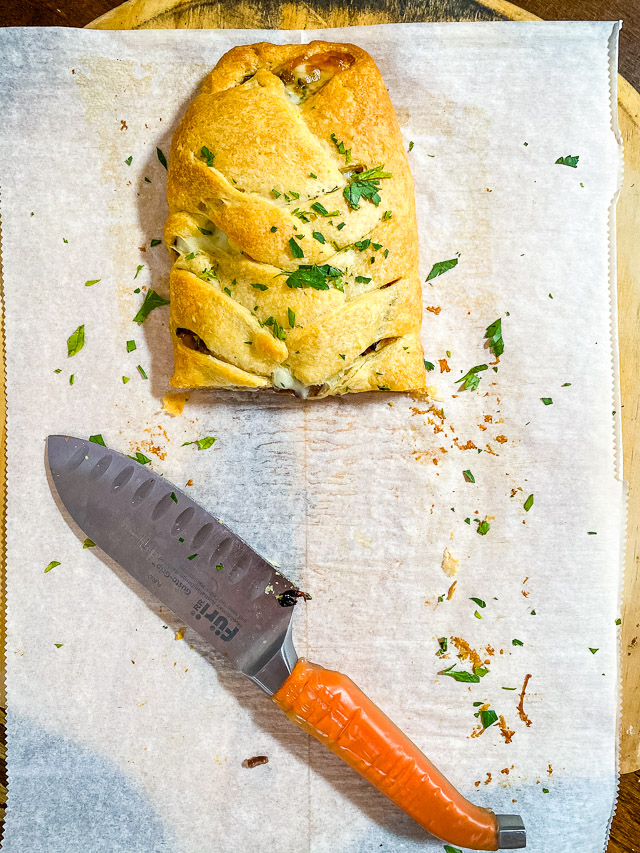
x,y
88,544
155,243
461,675
341,148
292,318
479,602
129,160
161,157
528,503
131,345
493,333
517,643
546,400
471,380
314,276
593,651
259,286
141,371
317,235
569,160
152,300
203,443
91,282
125,379
411,146
207,155
468,476
362,279
365,185
428,365
97,439
488,718
296,249
441,267
75,342
138,268
219,567
140,457
273,229
52,565
483,528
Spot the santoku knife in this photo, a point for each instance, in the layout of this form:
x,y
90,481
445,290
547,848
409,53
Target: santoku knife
x,y
226,592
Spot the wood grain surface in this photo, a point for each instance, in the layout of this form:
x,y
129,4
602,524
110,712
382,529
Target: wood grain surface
x,y
625,832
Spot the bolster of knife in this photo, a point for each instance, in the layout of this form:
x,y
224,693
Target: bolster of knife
x,y
329,706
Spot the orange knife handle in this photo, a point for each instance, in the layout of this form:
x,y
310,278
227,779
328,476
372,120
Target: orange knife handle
x,y
329,706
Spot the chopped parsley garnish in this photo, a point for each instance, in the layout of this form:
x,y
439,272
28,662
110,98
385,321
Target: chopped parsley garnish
x,y
618,621
460,675
147,180
477,615
276,329
528,503
155,243
129,160
320,209
88,543
161,157
483,528
259,286
140,457
341,148
276,194
208,275
152,300
52,565
141,371
362,279
365,185
441,267
387,214
75,342
64,240
569,160
91,282
72,379
314,276
547,400
442,643
479,602
488,718
131,345
296,249
468,476
294,195
342,355
58,370
97,439
494,335
480,671
319,237
125,379
219,567
411,146
565,384
471,380
192,557
593,651
311,175
138,268
292,318
273,229
340,226
207,155
174,498
227,291
58,645
428,365
203,443
383,388
517,643
363,244
191,256
448,848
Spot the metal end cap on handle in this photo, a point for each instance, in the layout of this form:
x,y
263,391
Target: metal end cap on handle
x,y
511,832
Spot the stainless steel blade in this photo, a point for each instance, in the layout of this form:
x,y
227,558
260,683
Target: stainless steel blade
x,y
206,574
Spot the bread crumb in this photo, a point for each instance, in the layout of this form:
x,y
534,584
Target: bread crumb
x,y
180,633
450,564
173,404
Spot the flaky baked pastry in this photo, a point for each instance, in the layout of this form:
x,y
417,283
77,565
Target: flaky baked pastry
x,y
292,224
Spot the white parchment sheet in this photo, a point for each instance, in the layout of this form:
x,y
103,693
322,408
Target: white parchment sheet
x,y
124,739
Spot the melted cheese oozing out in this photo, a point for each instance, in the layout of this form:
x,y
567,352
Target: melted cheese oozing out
x,y
282,378
217,240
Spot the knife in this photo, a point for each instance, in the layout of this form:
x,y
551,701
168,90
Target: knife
x,y
234,598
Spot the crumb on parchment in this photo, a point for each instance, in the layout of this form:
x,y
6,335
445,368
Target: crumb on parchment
x,y
180,633
450,564
174,404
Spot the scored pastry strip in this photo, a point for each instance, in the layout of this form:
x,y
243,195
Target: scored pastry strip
x,y
292,223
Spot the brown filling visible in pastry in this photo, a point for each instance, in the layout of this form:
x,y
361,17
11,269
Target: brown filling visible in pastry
x,y
305,77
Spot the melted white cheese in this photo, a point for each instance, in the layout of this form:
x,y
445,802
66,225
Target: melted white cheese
x,y
282,378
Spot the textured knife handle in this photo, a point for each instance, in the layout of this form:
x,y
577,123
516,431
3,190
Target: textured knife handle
x,y
334,710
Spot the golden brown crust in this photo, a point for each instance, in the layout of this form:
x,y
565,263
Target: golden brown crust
x,y
264,156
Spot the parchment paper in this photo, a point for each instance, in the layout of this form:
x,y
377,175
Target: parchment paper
x,y
124,739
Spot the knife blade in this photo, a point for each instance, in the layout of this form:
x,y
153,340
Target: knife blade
x,y
237,601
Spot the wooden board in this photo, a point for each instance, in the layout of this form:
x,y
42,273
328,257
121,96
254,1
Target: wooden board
x,y
187,14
